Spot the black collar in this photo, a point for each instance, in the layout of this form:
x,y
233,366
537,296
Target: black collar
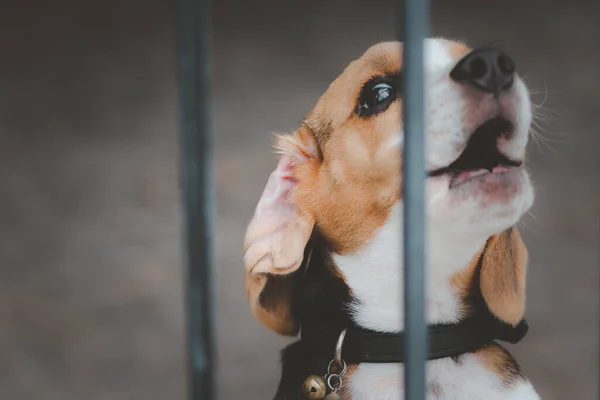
x,y
451,340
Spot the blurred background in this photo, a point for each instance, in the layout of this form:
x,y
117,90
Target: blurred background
x,y
90,217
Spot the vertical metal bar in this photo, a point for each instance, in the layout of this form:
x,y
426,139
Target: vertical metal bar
x,y
415,31
195,76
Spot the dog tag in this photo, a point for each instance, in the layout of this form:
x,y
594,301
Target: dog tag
x,y
314,388
334,396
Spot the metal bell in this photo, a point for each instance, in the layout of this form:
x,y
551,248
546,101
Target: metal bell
x,y
314,387
334,396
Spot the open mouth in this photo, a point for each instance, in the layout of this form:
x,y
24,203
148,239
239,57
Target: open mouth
x,y
481,155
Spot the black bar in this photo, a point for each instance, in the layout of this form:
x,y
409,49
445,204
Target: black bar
x,y
195,76
415,31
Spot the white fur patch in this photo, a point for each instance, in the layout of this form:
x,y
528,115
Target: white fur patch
x,y
467,381
437,54
374,275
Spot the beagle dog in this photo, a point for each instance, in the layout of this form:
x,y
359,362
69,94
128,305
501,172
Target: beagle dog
x,y
324,247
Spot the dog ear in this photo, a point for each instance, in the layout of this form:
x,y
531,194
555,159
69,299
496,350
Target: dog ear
x,y
503,274
279,232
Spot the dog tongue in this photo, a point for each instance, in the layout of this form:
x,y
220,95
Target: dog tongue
x,y
466,175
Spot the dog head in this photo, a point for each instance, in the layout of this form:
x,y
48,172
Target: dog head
x,y
340,171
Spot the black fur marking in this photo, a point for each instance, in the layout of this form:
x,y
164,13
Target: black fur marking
x,y
320,294
319,297
276,291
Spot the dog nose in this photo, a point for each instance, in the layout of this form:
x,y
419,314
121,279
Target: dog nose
x,y
489,70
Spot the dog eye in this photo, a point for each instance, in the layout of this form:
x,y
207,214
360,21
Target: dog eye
x,y
381,92
375,98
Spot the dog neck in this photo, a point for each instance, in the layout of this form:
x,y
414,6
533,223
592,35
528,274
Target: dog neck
x,y
374,276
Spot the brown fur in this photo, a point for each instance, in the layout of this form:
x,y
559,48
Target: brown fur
x,y
502,284
503,273
499,361
351,175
